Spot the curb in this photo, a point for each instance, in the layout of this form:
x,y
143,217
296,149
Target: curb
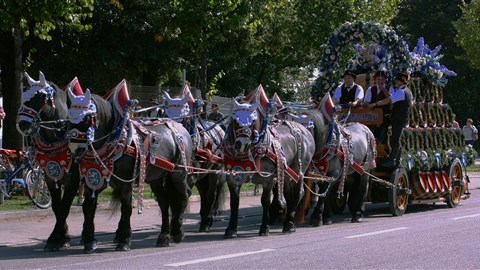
x,y
75,209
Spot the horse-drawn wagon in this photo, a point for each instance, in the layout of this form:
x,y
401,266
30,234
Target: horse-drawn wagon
x,y
434,155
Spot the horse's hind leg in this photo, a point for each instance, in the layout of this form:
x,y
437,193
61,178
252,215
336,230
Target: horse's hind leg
x,y
321,214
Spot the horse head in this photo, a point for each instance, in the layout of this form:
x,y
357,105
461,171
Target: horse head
x,y
244,126
177,108
37,100
82,115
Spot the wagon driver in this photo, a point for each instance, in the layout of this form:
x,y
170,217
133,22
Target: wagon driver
x,y
401,100
348,93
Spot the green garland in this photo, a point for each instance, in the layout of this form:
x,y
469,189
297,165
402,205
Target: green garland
x,y
431,117
430,94
419,141
439,113
438,94
448,115
413,117
422,115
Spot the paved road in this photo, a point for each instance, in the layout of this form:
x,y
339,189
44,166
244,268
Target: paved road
x,y
426,237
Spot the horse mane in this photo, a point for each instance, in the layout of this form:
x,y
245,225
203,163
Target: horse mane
x,y
105,116
320,129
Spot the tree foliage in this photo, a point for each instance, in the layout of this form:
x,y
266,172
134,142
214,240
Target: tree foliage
x,y
468,27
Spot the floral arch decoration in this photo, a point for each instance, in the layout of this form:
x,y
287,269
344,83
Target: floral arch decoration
x,y
395,55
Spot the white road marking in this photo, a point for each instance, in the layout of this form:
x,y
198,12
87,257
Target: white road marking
x,y
228,256
469,216
374,233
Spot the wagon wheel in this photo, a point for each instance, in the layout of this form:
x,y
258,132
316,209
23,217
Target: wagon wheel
x,y
398,197
337,204
456,182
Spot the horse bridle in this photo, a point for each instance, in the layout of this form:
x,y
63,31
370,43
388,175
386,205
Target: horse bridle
x,y
32,116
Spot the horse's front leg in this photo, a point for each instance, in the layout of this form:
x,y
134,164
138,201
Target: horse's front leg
x,y
89,208
266,201
356,200
292,196
124,230
159,190
59,238
178,200
234,188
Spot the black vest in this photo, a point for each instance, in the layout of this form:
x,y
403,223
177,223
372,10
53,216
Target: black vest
x,y
348,96
377,97
400,108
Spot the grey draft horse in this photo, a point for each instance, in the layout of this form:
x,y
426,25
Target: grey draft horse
x,y
207,137
40,119
349,150
267,154
98,125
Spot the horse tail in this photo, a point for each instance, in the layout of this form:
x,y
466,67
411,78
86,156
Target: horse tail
x,y
304,204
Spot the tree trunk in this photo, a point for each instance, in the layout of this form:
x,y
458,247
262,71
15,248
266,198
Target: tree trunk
x,y
12,87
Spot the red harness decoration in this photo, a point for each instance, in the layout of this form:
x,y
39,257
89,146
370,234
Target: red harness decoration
x,y
238,167
55,159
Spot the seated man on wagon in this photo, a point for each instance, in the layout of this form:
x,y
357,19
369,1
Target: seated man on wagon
x,y
379,91
348,93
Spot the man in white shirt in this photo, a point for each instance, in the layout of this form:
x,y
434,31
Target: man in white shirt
x,y
348,93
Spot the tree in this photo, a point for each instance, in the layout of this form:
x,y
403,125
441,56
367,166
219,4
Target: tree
x,y
434,20
18,20
468,27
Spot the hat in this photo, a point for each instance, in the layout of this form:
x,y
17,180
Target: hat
x,y
349,72
154,101
402,76
380,74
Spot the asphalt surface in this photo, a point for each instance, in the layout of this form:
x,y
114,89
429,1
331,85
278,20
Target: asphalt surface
x,y
35,225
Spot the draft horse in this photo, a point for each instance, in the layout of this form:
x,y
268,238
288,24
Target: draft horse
x,y
40,119
268,154
207,155
112,146
349,151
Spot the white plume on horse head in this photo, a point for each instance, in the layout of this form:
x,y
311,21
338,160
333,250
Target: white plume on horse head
x,y
35,87
177,108
245,114
81,106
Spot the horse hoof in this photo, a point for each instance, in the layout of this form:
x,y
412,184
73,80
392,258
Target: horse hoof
x,y
264,231
315,222
204,228
229,234
327,221
357,219
54,246
163,241
179,237
90,247
289,228
123,246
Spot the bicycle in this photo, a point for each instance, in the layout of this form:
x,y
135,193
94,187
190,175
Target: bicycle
x,y
33,181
